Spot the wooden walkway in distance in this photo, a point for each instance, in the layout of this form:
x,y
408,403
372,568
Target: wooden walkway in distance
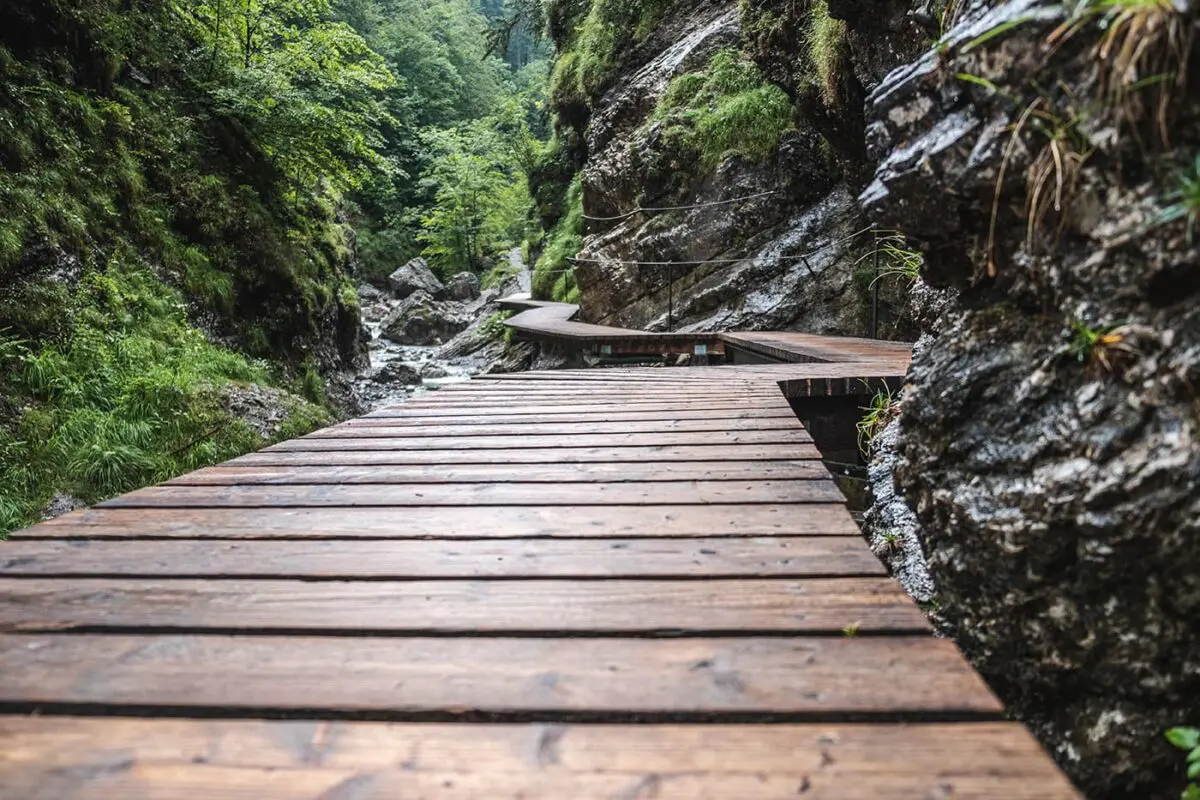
x,y
626,584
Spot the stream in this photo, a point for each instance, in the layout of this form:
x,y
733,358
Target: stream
x,y
378,389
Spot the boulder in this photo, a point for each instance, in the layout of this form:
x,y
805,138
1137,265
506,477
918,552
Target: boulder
x,y
369,294
397,372
415,276
432,370
422,320
463,286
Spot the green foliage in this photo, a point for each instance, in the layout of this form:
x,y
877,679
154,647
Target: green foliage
x,y
211,185
494,329
896,258
481,196
309,89
1184,200
464,128
826,39
1099,346
724,110
878,414
553,276
1188,740
128,394
609,30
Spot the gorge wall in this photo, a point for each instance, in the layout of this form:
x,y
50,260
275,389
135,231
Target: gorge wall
x,y
1038,162
742,120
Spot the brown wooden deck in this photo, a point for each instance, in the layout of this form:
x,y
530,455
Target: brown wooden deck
x,y
616,584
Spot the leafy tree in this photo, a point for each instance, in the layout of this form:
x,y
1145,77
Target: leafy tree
x,y
309,89
481,201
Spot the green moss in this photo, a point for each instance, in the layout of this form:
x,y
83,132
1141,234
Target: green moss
x,y
610,28
564,241
723,110
348,296
826,40
566,87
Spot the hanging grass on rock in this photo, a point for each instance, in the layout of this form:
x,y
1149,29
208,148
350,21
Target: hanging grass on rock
x,y
726,109
552,275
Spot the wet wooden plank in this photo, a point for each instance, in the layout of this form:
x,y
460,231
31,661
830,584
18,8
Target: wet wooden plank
x,y
825,605
916,677
483,494
576,441
423,407
538,456
561,416
65,758
448,522
571,428
782,556
639,472
597,394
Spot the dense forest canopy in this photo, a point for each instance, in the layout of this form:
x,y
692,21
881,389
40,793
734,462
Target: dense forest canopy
x,y
189,191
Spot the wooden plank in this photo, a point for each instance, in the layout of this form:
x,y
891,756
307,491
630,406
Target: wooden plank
x,y
542,456
563,428
641,472
833,677
814,605
448,522
524,394
80,758
616,388
783,556
422,408
580,419
483,494
579,440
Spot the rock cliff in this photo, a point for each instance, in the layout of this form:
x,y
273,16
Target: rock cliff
x,y
744,147
1047,439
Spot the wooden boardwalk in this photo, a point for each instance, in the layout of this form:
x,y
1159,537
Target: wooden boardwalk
x,y
627,584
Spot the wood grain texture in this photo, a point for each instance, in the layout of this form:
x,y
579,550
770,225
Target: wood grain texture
x,y
583,405
496,606
483,494
52,758
655,548
638,472
783,556
540,456
394,677
576,418
519,442
569,428
456,523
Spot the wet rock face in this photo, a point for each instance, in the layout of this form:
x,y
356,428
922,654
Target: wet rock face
x,y
1056,482
464,286
773,242
422,320
400,374
415,276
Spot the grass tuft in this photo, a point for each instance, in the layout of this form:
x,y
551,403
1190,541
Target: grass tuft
x,y
1183,201
882,409
726,109
826,42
